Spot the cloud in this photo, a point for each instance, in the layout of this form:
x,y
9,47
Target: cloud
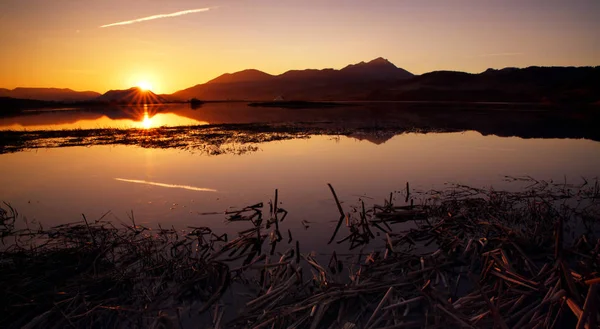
x,y
149,18
185,187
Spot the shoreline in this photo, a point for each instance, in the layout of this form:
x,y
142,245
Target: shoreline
x,y
247,134
300,104
18,105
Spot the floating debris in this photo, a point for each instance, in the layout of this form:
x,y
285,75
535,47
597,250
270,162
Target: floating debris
x,y
460,257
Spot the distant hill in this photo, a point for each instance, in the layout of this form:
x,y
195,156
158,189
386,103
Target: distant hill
x,y
9,105
380,80
310,84
533,84
242,76
133,95
49,94
376,80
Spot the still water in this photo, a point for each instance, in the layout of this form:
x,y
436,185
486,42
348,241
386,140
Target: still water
x,y
143,116
173,187
496,119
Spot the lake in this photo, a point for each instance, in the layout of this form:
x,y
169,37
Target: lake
x,y
174,187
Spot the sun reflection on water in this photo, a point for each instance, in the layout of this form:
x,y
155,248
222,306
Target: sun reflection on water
x,y
146,121
148,116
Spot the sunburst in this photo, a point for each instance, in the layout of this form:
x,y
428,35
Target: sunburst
x,y
145,85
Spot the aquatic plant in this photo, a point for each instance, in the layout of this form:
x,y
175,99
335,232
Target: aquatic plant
x,y
459,257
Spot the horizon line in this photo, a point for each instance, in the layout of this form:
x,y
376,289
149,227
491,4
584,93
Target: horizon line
x,y
176,90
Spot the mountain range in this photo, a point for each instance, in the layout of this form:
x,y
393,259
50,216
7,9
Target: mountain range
x,y
49,94
376,80
351,82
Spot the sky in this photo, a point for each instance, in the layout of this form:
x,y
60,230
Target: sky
x,y
171,45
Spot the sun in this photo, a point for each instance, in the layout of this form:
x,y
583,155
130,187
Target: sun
x,y
144,85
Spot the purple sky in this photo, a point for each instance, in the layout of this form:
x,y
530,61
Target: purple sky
x,y
181,43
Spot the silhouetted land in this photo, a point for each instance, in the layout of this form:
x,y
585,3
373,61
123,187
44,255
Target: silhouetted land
x,y
10,105
377,80
196,103
380,80
131,96
49,94
297,104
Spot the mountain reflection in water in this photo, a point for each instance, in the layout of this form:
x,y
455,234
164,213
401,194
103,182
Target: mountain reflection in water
x,y
502,119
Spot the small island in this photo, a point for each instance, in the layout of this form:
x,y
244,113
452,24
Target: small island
x,y
195,103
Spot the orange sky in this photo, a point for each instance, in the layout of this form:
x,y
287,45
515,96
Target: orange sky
x,y
178,44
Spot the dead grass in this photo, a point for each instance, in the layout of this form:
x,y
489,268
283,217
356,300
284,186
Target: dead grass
x,y
473,258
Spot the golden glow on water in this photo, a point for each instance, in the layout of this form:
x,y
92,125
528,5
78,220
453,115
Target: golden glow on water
x,y
141,117
146,122
163,120
159,120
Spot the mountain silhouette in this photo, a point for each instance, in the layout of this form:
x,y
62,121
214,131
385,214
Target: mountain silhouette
x,y
310,84
134,95
376,80
378,69
49,94
241,76
380,80
533,84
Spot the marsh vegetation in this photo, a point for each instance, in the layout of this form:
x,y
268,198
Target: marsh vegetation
x,y
459,257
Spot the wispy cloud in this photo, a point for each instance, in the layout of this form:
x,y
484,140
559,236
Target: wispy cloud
x,y
185,187
149,18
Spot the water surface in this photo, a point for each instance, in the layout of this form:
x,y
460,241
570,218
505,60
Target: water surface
x,y
498,119
173,187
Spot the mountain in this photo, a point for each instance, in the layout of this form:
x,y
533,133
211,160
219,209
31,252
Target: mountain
x,y
134,95
242,76
328,84
49,94
376,80
380,80
377,69
532,84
